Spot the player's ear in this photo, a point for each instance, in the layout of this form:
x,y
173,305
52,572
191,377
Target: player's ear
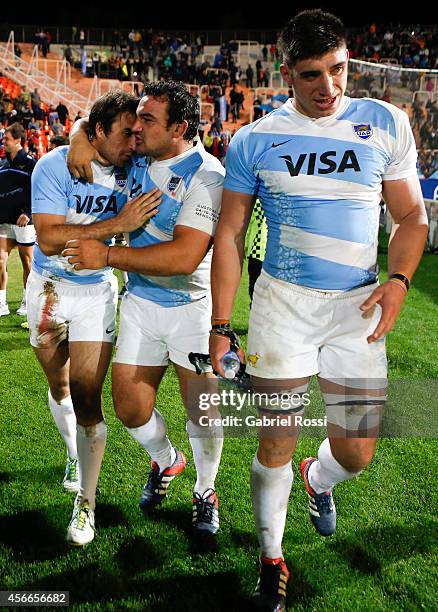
x,y
286,73
99,130
180,128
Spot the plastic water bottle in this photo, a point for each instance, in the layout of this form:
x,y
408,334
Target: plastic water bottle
x,y
230,364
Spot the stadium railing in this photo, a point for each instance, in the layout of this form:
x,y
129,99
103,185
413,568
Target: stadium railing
x,y
27,73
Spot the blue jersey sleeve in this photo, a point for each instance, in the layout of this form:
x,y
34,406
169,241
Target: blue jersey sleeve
x,y
239,172
50,183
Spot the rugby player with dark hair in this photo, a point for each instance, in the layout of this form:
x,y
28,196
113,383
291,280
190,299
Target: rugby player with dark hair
x,y
166,312
72,315
319,165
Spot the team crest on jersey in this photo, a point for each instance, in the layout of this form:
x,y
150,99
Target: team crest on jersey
x,y
363,130
121,178
173,183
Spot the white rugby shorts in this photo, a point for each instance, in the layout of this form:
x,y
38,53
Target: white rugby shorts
x,y
296,332
152,335
58,311
25,236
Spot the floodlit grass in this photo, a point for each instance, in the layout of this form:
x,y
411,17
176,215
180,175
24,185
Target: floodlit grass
x,y
383,556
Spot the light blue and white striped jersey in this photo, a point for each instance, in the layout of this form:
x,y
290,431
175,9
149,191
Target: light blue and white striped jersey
x,y
192,185
56,192
320,184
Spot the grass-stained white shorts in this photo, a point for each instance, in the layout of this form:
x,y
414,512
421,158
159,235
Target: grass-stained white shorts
x,y
296,332
58,311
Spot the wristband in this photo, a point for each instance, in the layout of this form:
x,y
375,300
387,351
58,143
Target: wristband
x,y
221,326
218,321
404,279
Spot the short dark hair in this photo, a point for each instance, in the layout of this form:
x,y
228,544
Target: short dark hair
x,y
108,107
17,131
182,106
311,33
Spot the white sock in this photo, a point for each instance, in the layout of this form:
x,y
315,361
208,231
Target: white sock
x,y
65,419
270,488
153,438
206,443
326,472
125,277
2,296
91,443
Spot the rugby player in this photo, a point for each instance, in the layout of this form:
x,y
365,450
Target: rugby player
x,y
319,165
166,312
71,314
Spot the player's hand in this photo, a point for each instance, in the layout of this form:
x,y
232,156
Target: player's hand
x,y
80,155
138,211
218,346
22,220
86,254
390,297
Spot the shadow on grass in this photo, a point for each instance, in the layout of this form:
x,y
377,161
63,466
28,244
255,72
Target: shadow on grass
x,y
138,555
385,544
109,515
199,544
92,585
299,589
181,519
31,537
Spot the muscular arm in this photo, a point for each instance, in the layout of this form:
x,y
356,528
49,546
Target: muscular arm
x,y
182,255
228,255
228,251
53,232
405,203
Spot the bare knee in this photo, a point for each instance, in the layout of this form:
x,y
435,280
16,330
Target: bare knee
x,y
356,460
87,403
275,452
59,391
130,414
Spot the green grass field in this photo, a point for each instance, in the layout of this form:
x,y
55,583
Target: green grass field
x,y
383,556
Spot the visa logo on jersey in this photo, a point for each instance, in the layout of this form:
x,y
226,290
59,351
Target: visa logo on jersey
x,y
326,163
90,204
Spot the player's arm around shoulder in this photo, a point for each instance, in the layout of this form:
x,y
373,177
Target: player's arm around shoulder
x,y
193,232
181,255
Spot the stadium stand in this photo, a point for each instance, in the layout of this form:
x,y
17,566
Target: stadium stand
x,y
396,64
